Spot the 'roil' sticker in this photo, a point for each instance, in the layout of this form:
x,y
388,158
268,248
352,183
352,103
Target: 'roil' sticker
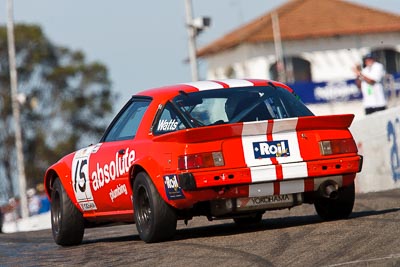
x,y
172,187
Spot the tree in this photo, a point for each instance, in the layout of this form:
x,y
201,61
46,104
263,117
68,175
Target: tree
x,y
66,105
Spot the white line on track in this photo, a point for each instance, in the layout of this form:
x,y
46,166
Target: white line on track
x,y
393,256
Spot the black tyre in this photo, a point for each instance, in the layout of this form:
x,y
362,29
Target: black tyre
x,y
339,208
248,220
67,222
155,220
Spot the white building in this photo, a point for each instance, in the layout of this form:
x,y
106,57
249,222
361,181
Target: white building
x,y
320,41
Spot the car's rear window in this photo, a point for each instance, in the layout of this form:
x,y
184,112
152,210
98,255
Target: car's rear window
x,y
239,105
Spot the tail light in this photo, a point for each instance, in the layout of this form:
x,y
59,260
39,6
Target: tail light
x,y
201,160
337,146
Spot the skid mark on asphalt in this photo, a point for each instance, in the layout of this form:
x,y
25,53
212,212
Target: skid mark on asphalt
x,y
231,256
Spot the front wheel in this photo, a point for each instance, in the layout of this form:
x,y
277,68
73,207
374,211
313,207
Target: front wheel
x,y
155,220
338,208
67,222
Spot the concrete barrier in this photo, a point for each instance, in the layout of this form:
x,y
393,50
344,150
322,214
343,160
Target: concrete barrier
x,y
378,139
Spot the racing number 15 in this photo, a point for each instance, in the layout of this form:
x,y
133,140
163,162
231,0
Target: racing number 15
x,y
80,176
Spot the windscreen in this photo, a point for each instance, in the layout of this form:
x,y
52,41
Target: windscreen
x,y
242,104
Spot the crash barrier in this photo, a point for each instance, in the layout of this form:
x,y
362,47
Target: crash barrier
x,y
378,140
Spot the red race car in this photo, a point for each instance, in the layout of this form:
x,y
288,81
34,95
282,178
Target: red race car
x,y
221,149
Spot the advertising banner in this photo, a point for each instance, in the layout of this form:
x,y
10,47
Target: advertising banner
x,y
339,91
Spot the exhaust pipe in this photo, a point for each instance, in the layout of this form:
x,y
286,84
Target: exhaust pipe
x,y
329,189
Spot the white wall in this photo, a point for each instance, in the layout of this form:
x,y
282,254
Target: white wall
x,y
379,143
331,58
350,107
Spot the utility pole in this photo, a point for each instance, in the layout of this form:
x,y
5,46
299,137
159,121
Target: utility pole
x,y
16,110
192,40
280,64
194,28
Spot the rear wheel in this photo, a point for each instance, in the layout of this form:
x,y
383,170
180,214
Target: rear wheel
x,y
339,208
155,220
67,222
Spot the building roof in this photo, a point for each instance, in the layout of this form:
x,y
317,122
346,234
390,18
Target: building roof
x,y
307,19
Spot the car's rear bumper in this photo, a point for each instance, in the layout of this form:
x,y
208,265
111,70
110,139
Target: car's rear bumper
x,y
270,173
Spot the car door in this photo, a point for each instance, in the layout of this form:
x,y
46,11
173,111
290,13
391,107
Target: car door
x,y
108,162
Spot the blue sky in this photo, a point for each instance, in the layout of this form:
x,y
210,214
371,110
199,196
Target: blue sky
x,y
143,43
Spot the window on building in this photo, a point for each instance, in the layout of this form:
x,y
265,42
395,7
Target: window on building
x,y
296,70
389,58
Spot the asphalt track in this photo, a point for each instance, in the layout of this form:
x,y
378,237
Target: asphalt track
x,y
296,237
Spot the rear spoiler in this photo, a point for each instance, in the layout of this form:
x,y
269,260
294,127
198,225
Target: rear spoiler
x,y
224,131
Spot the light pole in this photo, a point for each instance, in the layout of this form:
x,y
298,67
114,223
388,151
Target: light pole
x,y
16,111
194,27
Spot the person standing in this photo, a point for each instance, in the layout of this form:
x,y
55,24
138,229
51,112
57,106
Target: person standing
x,y
370,78
44,201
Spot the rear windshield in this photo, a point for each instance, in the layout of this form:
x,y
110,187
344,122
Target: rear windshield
x,y
242,104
